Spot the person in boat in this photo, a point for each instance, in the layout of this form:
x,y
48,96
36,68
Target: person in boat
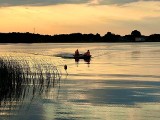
x,y
87,53
76,53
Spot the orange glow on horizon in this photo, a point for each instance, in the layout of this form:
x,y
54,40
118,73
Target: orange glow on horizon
x,y
82,18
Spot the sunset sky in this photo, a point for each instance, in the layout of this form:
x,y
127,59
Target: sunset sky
x,y
85,16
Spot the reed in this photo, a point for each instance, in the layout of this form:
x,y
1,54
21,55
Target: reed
x,y
23,78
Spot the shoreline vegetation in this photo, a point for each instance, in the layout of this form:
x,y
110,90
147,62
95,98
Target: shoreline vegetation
x,y
17,37
22,79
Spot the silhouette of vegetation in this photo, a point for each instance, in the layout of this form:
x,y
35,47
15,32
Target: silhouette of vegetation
x,y
136,33
20,81
111,37
135,36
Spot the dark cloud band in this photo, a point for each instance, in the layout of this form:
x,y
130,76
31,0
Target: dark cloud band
x,y
54,2
39,2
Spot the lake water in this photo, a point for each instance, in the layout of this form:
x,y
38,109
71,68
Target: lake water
x,y
121,82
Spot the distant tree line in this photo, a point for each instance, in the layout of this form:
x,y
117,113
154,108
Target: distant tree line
x,y
135,36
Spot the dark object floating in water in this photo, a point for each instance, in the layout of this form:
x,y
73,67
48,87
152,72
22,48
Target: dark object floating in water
x,y
65,67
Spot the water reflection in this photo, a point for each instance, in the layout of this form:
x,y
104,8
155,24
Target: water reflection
x,y
87,61
121,82
114,92
135,55
23,80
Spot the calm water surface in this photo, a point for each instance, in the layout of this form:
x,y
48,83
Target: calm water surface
x,y
122,81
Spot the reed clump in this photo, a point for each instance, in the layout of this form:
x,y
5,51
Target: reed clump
x,y
23,78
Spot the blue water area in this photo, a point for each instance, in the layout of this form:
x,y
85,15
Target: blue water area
x,y
117,92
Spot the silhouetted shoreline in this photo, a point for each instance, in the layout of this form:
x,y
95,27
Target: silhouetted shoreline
x,y
135,36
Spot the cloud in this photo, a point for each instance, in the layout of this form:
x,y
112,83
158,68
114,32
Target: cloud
x,y
39,2
95,2
55,2
121,2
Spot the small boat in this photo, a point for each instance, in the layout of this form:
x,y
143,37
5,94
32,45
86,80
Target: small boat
x,y
82,56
